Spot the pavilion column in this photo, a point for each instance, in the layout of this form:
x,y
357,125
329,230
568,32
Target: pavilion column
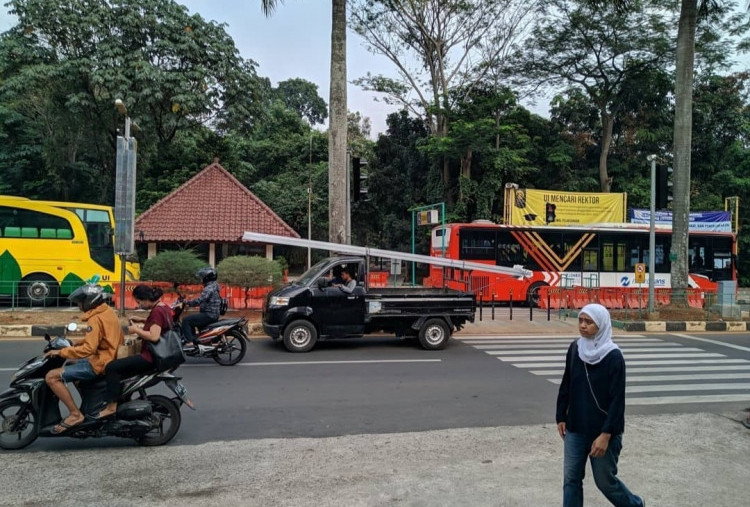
x,y
212,254
269,252
151,250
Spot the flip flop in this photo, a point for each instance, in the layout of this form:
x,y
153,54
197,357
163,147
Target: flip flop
x,y
65,427
100,416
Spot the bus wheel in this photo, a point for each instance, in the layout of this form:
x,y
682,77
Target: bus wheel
x,y
532,295
39,290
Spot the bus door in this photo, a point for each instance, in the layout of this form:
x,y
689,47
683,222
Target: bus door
x,y
590,265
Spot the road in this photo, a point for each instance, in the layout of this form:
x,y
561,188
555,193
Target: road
x,y
384,385
375,408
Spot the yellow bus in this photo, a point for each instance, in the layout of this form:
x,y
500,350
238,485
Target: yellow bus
x,y
49,248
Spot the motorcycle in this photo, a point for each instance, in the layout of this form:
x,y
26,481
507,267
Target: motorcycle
x,y
29,409
224,341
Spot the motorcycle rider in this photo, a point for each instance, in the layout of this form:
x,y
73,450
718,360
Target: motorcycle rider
x,y
94,351
209,302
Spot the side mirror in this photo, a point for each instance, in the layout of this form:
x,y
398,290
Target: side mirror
x,y
72,327
322,282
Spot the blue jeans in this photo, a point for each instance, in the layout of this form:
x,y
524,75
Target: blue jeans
x,y
80,370
604,469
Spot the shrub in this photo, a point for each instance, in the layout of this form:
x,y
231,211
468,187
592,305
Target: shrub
x,y
248,272
177,266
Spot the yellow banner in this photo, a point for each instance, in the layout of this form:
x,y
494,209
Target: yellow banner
x,y
551,207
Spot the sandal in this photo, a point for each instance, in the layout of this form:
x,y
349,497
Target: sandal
x,y
63,427
746,423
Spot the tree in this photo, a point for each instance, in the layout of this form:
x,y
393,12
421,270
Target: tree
x,y
338,218
302,96
437,46
597,51
64,64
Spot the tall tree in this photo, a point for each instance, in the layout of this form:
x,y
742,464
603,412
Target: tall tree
x,y
338,198
437,46
64,64
597,51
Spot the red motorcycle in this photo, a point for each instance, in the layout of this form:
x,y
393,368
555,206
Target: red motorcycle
x,y
224,341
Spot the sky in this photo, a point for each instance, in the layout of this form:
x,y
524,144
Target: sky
x,y
295,42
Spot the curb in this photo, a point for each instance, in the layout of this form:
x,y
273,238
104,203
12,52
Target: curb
x,y
682,326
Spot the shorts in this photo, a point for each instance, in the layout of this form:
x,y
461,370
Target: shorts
x,y
80,370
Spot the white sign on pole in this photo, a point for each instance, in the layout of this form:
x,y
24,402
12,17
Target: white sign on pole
x,y
125,195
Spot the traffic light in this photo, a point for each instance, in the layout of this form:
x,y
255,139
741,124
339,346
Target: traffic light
x,y
549,214
663,187
359,176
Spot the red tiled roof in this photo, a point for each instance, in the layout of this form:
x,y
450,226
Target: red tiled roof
x,y
212,206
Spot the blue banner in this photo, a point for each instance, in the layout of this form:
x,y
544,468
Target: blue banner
x,y
717,221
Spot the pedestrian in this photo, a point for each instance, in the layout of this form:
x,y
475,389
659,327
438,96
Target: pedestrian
x,y
591,411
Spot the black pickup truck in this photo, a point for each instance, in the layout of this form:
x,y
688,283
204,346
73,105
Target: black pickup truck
x,y
311,309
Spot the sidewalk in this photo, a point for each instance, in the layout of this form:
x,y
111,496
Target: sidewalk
x,y
670,460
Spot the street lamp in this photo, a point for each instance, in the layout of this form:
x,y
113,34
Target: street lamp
x,y
652,235
125,196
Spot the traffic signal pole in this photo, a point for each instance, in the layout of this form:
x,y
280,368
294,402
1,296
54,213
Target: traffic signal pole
x,y
652,235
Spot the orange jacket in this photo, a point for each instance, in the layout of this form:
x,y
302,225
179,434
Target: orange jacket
x,y
100,344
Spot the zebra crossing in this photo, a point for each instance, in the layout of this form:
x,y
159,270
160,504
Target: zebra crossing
x,y
659,372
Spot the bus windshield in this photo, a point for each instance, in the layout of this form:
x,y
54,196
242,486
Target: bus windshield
x,y
99,234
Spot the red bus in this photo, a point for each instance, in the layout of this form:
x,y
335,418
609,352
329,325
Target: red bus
x,y
595,255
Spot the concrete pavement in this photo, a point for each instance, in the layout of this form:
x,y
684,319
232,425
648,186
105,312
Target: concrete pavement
x,y
671,460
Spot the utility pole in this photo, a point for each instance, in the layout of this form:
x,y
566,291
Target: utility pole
x,y
652,235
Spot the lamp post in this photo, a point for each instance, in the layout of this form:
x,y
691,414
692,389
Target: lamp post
x,y
124,196
652,235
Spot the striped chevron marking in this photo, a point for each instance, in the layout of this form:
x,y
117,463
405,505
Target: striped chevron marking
x,y
658,372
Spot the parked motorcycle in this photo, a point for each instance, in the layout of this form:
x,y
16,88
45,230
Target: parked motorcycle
x,y
29,409
224,341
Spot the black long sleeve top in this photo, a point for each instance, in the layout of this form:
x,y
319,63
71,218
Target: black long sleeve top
x,y
576,405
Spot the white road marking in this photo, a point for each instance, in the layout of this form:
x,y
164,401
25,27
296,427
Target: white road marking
x,y
702,398
714,342
688,387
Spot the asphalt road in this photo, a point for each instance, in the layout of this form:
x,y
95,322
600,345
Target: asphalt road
x,y
384,385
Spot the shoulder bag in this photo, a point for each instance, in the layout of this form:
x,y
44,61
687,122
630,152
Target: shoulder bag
x,y
167,352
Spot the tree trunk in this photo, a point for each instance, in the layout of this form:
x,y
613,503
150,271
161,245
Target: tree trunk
x,y
683,124
465,171
608,122
338,199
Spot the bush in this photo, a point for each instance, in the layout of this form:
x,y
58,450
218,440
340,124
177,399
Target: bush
x,y
248,272
177,266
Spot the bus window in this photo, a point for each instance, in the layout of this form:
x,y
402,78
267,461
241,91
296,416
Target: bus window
x,y
477,245
29,223
508,250
613,253
570,240
721,259
590,260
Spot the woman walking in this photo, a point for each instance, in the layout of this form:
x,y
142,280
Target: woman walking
x,y
591,411
158,322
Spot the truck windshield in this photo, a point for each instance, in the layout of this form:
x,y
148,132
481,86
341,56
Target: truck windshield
x,y
309,276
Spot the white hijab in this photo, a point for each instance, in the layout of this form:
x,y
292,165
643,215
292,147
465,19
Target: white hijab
x,y
592,351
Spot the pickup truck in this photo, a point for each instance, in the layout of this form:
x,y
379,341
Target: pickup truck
x,y
310,309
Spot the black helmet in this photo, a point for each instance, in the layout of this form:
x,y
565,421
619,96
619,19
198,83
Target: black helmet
x,y
88,296
207,274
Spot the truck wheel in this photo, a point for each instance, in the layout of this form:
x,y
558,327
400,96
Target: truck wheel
x,y
434,334
39,290
300,336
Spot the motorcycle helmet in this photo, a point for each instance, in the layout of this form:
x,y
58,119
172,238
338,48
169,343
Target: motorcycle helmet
x,y
88,296
207,274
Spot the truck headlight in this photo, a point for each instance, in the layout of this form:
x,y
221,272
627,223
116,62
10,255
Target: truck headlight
x,y
279,301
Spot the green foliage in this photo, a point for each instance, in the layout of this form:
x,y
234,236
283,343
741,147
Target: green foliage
x,y
178,267
249,272
302,97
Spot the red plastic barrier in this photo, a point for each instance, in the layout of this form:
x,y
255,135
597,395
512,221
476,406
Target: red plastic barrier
x,y
636,299
377,278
